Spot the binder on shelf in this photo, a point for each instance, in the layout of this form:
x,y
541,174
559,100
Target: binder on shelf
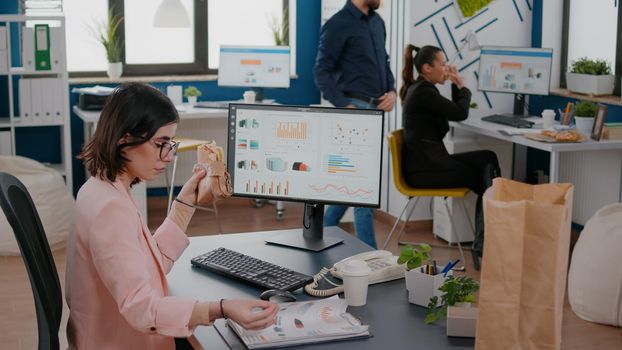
x,y
25,99
4,54
57,99
55,48
36,102
42,47
5,143
28,48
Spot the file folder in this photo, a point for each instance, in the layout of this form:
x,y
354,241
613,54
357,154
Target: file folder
x,y
42,47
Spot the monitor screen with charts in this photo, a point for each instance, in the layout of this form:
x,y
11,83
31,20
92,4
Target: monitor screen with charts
x,y
316,155
517,70
254,66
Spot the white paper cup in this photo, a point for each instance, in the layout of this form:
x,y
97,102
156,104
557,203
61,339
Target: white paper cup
x,y
249,96
548,118
355,282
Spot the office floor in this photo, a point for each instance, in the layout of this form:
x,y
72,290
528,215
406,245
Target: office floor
x,y
18,328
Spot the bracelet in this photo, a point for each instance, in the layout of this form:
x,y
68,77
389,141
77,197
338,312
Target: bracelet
x,y
184,203
222,310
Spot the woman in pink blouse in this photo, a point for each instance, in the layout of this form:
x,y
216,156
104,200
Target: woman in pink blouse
x,y
116,285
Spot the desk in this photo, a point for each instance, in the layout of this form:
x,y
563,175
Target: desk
x,y
394,323
597,176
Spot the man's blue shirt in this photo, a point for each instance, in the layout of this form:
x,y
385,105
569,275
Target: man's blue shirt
x,y
352,56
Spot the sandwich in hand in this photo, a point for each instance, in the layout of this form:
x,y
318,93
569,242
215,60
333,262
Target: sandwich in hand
x,y
216,184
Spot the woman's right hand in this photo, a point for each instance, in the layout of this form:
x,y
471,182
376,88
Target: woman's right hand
x,y
250,313
455,76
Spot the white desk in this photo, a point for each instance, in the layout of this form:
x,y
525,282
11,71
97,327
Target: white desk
x,y
597,176
192,125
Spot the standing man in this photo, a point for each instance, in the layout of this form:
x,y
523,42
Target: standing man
x,y
352,70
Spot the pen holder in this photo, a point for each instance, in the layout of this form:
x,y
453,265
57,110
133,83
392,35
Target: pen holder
x,y
565,119
421,286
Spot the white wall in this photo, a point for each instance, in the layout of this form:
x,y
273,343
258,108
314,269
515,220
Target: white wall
x,y
413,22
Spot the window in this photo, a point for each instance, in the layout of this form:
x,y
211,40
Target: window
x,y
591,29
157,51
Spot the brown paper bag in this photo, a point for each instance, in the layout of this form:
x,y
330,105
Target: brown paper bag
x,y
216,184
524,266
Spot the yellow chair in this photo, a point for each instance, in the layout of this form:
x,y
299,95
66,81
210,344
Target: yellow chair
x,y
395,147
187,145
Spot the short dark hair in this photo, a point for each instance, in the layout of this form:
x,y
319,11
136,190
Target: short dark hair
x,y
133,109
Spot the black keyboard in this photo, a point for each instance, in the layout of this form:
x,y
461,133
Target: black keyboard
x,y
251,270
513,121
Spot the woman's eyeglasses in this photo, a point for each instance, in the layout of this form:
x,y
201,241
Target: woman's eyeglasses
x,y
166,147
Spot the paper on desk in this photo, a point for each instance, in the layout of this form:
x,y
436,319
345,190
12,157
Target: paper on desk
x,y
94,90
515,131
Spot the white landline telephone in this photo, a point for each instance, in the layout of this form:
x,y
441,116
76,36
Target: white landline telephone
x,y
383,265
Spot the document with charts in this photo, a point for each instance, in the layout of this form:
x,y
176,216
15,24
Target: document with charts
x,y
305,322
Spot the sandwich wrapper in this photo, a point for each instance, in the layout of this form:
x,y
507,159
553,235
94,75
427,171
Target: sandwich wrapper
x,y
216,185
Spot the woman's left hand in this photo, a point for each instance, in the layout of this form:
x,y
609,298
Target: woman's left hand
x,y
188,193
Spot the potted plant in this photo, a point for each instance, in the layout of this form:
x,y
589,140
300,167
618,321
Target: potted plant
x,y
588,76
192,93
421,285
106,34
456,305
584,116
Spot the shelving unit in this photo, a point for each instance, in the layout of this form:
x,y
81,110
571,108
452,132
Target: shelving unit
x,y
19,71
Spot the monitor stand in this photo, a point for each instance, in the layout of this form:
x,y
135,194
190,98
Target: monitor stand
x,y
312,237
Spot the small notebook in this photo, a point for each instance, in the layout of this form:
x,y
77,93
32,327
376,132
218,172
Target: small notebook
x,y
304,322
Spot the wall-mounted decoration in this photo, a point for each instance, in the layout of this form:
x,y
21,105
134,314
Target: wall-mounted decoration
x,y
468,8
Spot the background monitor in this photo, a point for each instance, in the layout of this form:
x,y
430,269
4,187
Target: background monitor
x,y
254,66
518,70
315,155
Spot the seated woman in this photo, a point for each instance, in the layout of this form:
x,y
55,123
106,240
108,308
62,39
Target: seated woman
x,y
116,285
425,118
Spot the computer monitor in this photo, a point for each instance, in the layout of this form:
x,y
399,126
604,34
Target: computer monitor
x,y
256,67
315,155
518,70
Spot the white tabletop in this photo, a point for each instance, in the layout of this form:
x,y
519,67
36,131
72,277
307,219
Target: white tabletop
x,y
476,125
188,112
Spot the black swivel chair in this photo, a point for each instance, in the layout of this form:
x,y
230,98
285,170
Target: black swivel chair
x,y
22,215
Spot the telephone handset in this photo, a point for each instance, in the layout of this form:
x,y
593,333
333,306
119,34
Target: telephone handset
x,y
383,265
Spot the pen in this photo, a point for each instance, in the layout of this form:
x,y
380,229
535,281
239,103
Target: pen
x,y
446,268
451,267
434,269
568,107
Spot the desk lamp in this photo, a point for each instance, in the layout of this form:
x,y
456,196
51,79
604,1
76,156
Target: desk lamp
x,y
471,40
171,14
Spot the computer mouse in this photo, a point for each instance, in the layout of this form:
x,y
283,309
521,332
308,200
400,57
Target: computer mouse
x,y
277,296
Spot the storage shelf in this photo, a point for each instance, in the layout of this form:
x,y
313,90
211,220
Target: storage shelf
x,y
19,124
5,123
22,71
607,99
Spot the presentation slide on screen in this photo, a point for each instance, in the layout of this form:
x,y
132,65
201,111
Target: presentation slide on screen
x,y
328,157
254,67
515,70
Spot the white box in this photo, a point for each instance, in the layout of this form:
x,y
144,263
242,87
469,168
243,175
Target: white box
x,y
25,101
421,286
442,224
462,321
5,143
174,94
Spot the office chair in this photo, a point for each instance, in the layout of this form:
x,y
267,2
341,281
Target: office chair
x,y
395,148
22,215
187,145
